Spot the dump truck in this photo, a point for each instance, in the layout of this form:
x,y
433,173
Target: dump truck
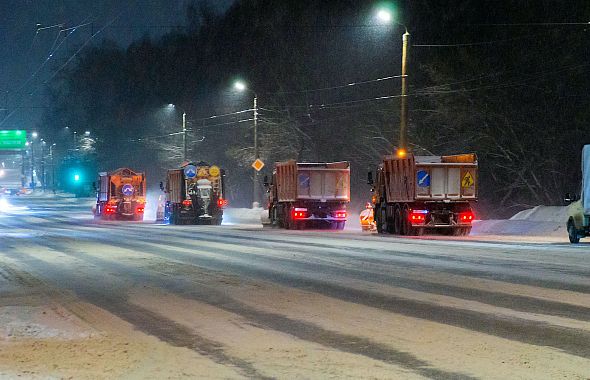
x,y
12,179
416,194
578,224
194,195
121,195
308,194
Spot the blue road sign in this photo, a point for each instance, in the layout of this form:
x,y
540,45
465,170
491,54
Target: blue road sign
x,y
423,178
190,171
127,190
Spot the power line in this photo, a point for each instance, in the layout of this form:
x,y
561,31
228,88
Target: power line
x,y
336,87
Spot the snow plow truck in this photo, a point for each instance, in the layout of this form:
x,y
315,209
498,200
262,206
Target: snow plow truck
x,y
194,195
120,195
304,195
416,194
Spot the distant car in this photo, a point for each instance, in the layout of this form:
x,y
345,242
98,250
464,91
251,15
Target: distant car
x,y
8,191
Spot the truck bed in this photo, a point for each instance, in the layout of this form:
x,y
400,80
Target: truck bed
x,y
430,178
312,181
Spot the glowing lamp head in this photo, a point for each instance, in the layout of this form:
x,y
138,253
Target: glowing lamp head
x,y
76,177
240,86
401,153
384,16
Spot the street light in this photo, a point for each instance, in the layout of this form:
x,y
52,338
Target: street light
x,y
385,15
34,135
241,87
52,166
184,140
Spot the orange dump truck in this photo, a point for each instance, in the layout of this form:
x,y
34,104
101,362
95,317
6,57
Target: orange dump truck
x,y
121,195
414,194
309,194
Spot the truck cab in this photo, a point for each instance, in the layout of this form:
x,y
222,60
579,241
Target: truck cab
x,y
578,224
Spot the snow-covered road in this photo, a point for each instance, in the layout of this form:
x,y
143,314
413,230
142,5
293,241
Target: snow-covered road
x,y
139,300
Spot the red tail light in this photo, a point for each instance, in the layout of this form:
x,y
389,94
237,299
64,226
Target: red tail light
x,y
110,209
299,213
222,202
140,210
187,203
418,216
466,217
340,214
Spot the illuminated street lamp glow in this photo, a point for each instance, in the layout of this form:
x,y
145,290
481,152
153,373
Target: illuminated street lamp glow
x,y
385,16
76,177
35,135
87,133
240,86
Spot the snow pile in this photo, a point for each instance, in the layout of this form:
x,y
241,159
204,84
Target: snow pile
x,y
244,216
556,214
549,221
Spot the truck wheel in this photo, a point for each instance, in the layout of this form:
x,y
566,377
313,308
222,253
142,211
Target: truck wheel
x,y
339,225
407,228
397,221
382,225
572,233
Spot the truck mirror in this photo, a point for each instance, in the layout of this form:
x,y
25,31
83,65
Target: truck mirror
x,y
266,184
370,179
568,198
162,186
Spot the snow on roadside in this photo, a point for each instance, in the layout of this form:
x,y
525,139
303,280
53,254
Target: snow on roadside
x,y
547,221
233,216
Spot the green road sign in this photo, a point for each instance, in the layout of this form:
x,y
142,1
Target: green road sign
x,y
13,140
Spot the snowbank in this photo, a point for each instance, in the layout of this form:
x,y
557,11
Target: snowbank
x,y
244,216
547,221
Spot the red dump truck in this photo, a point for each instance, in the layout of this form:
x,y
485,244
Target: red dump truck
x,y
120,195
309,194
414,194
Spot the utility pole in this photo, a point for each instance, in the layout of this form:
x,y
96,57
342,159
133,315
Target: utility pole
x,y
403,128
32,165
256,151
52,167
43,174
184,135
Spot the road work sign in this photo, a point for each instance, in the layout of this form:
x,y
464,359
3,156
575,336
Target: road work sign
x,y
258,164
423,178
214,171
467,180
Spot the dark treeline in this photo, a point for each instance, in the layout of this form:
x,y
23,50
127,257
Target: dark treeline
x,y
513,88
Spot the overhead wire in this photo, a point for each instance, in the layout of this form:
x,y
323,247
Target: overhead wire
x,y
66,63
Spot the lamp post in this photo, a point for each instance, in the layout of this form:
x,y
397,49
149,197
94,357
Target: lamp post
x,y
241,86
184,139
52,167
43,174
184,142
385,16
34,135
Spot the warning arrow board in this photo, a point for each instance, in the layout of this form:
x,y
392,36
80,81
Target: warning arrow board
x,y
467,180
258,164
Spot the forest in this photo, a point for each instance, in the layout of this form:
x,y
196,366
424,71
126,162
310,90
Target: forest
x,y
506,80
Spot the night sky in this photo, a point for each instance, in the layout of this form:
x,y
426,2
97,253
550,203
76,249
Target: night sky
x,y
23,52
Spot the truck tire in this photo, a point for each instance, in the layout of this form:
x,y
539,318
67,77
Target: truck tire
x,y
572,233
382,225
397,221
339,225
